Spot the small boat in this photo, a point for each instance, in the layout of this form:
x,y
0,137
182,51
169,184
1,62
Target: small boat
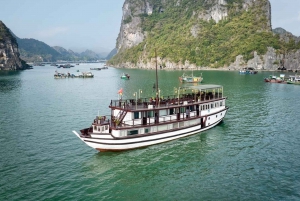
x,y
87,75
248,71
190,78
95,68
125,76
294,79
65,66
276,79
58,75
38,64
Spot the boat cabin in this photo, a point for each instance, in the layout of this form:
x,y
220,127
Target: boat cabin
x,y
190,106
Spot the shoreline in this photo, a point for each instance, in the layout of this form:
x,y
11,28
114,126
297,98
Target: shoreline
x,y
211,69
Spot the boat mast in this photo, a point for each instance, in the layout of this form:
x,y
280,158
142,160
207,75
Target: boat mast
x,y
156,77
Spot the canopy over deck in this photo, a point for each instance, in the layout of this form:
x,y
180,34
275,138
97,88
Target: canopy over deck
x,y
203,87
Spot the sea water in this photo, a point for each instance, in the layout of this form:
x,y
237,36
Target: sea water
x,y
254,154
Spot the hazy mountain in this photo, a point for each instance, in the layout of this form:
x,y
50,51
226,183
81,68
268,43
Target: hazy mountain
x,y
32,50
112,53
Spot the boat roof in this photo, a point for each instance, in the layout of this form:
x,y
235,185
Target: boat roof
x,y
204,86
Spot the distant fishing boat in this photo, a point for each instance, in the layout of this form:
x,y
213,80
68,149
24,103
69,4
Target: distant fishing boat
x,y
190,78
276,79
248,71
125,76
294,79
69,75
95,68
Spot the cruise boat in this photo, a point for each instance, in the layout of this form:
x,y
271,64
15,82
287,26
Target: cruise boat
x,y
141,122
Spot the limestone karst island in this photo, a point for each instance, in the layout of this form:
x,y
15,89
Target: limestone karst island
x,y
215,34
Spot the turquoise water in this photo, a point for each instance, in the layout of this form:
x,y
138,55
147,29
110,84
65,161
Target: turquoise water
x,y
253,155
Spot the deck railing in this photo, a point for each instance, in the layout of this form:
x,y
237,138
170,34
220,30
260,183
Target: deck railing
x,y
170,101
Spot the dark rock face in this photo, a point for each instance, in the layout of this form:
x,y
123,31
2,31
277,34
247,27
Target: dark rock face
x,y
9,53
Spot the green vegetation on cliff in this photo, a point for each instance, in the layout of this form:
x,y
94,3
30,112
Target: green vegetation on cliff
x,y
214,44
4,33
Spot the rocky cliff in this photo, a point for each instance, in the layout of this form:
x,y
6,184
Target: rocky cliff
x,y
9,53
196,34
131,32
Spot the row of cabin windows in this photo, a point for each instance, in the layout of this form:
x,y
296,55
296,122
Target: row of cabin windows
x,y
161,127
211,105
101,128
171,111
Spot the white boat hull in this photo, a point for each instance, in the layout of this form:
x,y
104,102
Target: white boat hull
x,y
106,142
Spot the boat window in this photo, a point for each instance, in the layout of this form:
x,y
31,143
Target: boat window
x,y
175,125
162,112
147,130
99,128
150,114
221,103
132,132
186,123
182,109
162,127
136,115
154,128
212,105
181,124
123,133
192,108
106,127
172,111
95,128
195,121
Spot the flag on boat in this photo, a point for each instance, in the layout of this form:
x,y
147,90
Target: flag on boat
x,y
120,92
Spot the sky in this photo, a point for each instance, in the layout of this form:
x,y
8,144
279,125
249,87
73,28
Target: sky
x,y
95,24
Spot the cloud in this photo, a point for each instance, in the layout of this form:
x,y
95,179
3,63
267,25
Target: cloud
x,y
298,18
49,33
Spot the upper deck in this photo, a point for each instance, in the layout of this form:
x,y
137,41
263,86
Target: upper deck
x,y
185,96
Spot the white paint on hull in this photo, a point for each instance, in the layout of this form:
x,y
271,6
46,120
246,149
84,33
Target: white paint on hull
x,y
142,141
